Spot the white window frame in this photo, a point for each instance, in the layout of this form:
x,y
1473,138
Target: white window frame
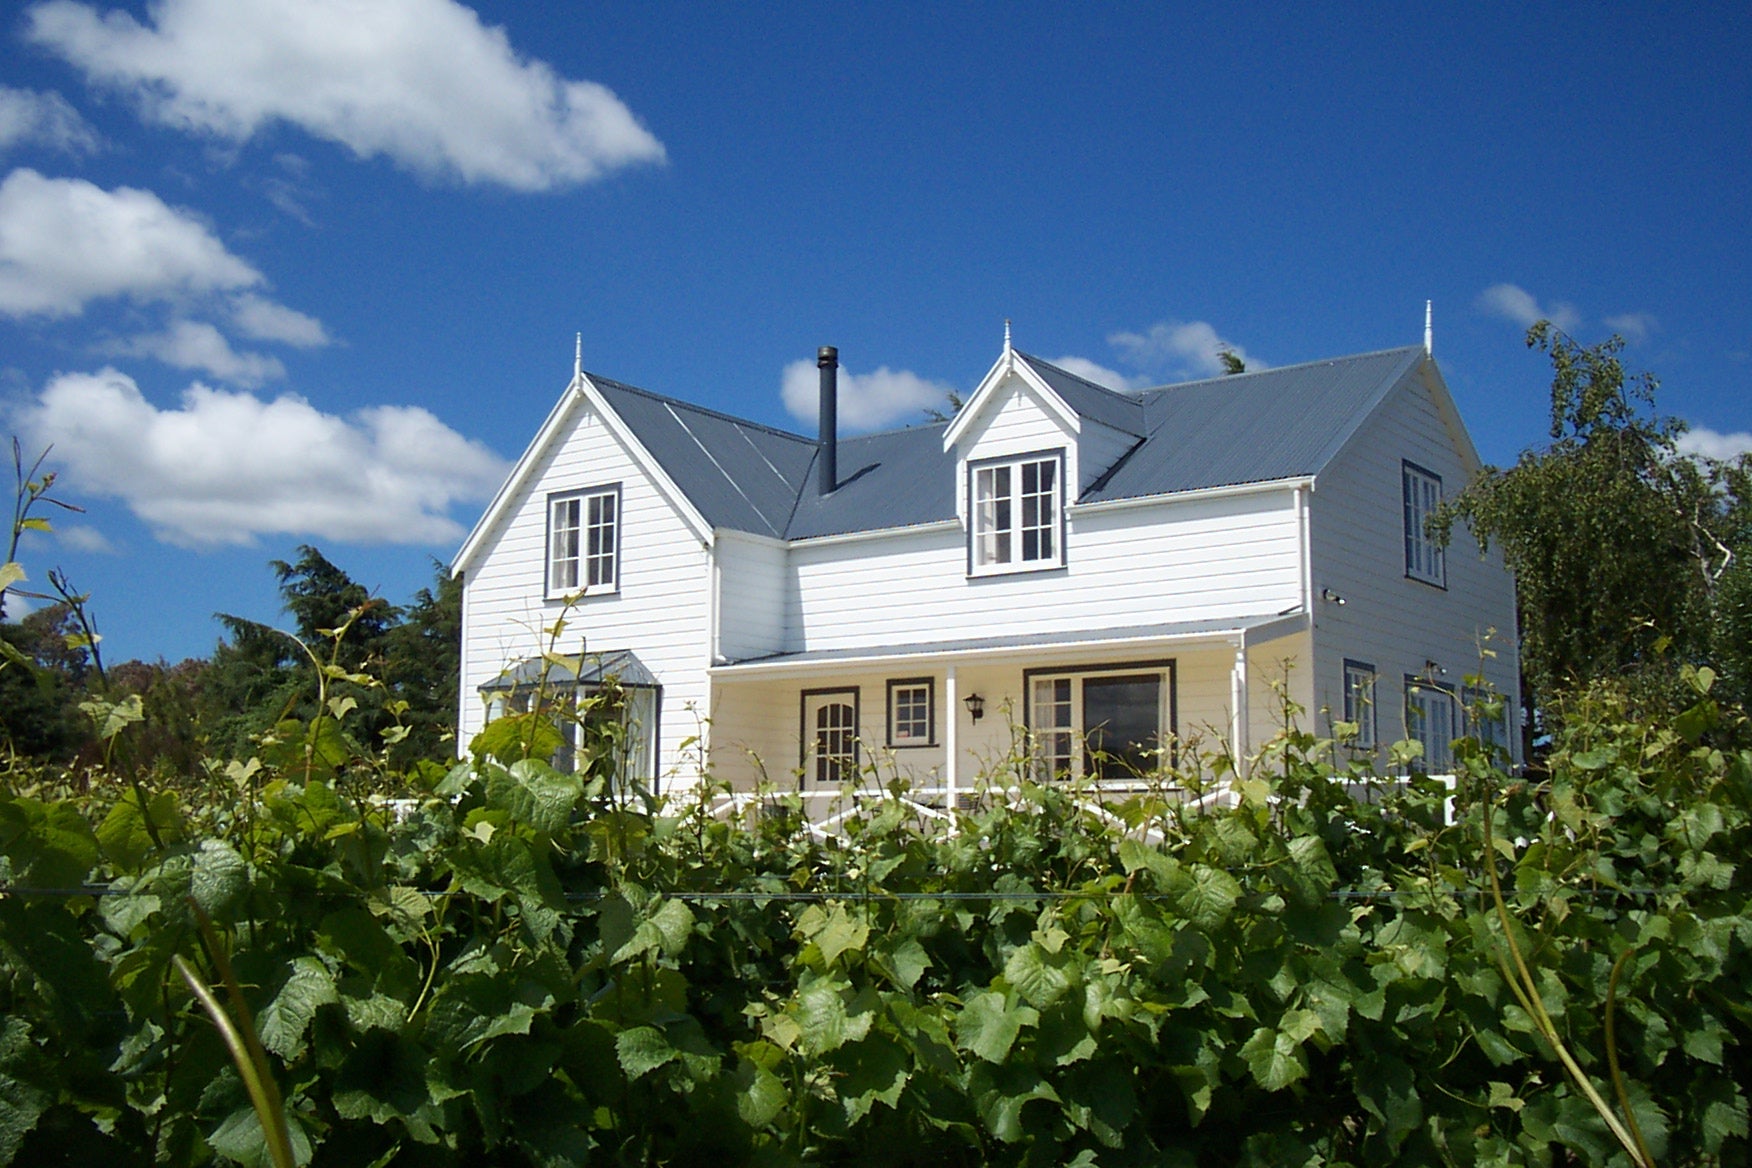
x,y
1359,702
1058,727
583,542
1432,718
908,694
640,709
1420,495
1010,528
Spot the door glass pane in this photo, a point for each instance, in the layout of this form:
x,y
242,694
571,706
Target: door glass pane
x,y
1122,725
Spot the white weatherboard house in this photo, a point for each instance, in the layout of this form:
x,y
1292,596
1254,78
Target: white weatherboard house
x,y
1132,570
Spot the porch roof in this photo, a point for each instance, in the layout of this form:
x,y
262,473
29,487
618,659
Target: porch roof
x,y
620,664
1252,629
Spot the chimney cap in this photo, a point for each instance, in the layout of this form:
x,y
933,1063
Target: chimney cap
x,y
826,355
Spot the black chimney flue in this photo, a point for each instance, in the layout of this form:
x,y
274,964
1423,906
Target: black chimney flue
x,y
827,358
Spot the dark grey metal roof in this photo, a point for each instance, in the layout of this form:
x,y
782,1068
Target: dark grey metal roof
x,y
620,664
738,474
1254,427
1224,431
1273,624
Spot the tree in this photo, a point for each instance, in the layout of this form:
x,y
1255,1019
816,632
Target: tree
x,y
1231,361
1618,542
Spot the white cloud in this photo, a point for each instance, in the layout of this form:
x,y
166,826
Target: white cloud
x,y
422,82
1706,443
1514,303
64,242
1099,374
224,468
867,401
46,118
85,539
1179,349
1635,327
266,321
198,346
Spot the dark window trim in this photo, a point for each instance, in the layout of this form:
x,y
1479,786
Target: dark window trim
x,y
1406,464
1063,559
549,592
1168,665
806,740
1373,740
930,686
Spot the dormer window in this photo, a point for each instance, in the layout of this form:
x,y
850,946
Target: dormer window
x,y
1017,514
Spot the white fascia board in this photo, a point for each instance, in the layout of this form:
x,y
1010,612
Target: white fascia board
x,y
1450,412
1005,365
1287,625
815,541
665,485
1260,488
513,484
580,390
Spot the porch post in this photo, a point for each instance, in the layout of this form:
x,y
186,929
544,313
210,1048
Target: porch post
x,y
1238,702
951,739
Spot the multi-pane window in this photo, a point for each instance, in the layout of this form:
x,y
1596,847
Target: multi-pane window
x,y
584,542
910,721
1101,724
1016,514
1429,719
1422,493
1487,718
1359,702
830,736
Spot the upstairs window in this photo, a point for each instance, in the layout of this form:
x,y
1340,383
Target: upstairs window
x,y
584,542
1017,520
1422,495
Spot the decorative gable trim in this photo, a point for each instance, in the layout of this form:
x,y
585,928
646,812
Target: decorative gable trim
x,y
982,399
559,422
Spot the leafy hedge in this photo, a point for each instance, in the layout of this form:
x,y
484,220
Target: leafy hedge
x,y
527,969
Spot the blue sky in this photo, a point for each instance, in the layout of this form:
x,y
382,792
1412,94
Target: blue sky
x,y
277,272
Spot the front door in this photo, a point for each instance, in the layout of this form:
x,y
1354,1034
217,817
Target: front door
x,y
830,737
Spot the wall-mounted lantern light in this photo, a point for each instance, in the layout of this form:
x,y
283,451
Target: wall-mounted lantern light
x,y
975,706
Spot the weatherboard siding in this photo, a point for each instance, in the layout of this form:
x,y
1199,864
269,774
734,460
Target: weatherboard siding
x,y
752,586
1194,559
1389,621
661,610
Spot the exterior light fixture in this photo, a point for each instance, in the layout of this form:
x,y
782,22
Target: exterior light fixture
x,y
1432,670
975,705
1331,597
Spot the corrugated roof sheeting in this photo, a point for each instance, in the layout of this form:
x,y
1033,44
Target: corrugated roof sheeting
x,y
901,478
1254,427
1109,407
1225,431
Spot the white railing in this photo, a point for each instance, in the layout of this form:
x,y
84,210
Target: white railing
x,y
826,810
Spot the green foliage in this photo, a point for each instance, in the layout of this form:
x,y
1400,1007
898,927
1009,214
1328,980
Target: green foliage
x,y
522,967
1617,542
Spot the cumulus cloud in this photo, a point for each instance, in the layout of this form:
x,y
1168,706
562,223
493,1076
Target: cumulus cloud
x,y
85,539
1514,303
1706,443
27,116
225,468
1635,327
198,346
1175,349
266,321
64,242
867,401
422,82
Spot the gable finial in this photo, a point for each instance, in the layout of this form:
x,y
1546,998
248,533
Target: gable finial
x,y
578,357
1006,336
1429,329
